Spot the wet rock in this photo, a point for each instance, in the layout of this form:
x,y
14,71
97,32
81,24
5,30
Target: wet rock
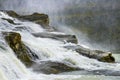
x,y
38,18
49,67
10,21
14,41
95,54
57,36
41,19
12,13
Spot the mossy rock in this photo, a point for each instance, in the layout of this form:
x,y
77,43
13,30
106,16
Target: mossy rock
x,y
109,58
41,19
38,18
14,41
12,14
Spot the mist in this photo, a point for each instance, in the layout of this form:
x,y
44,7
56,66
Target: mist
x,y
83,18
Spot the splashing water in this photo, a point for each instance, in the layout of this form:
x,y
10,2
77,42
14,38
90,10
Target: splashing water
x,y
12,68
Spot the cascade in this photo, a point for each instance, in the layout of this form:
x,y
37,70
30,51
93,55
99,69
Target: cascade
x,y
46,49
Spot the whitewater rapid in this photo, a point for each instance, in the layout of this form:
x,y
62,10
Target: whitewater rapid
x,y
11,68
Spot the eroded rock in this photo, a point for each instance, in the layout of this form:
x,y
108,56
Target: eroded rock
x,y
22,52
58,36
49,67
95,54
14,41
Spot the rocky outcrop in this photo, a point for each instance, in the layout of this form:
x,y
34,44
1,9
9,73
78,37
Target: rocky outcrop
x,y
95,54
57,36
9,20
12,14
41,19
23,53
49,67
14,41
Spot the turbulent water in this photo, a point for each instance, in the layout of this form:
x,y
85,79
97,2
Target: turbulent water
x,y
86,16
12,68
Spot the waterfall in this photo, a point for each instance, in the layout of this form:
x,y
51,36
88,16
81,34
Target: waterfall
x,y
77,16
46,49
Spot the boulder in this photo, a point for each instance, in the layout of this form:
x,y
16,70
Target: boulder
x,y
49,67
14,41
38,18
57,36
12,13
41,19
95,54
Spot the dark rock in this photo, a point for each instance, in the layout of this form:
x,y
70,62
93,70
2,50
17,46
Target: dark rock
x,y
10,21
58,36
12,14
96,54
41,19
14,41
49,67
28,57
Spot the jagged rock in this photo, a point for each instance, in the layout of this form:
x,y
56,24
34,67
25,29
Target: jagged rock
x,y
22,52
58,36
49,67
38,18
12,13
41,19
10,21
96,54
14,41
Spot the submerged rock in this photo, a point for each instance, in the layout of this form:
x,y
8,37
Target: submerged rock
x,y
14,41
95,54
57,36
49,67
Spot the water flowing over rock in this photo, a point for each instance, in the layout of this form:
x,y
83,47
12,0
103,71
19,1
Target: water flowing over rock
x,y
14,41
46,52
23,53
50,67
58,36
41,19
95,54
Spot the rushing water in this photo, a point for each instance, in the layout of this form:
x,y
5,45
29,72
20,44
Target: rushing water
x,y
74,16
47,49
12,68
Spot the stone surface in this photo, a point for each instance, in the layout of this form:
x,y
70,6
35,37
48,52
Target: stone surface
x,y
14,41
58,36
38,18
49,67
95,54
